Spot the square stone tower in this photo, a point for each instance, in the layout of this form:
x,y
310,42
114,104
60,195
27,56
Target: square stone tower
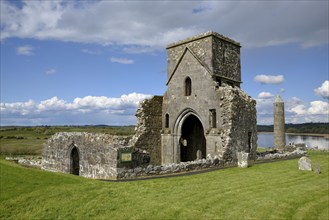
x,y
204,111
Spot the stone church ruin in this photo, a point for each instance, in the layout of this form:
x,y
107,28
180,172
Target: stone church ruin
x,y
203,120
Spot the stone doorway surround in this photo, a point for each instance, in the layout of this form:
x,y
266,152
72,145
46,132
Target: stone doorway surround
x,y
74,161
189,148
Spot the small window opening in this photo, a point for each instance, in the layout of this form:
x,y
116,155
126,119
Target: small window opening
x,y
188,86
219,82
213,118
249,141
167,121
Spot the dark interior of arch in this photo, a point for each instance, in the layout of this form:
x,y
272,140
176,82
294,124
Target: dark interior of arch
x,y
74,161
193,141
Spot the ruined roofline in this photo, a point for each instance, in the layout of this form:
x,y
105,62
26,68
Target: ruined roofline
x,y
204,35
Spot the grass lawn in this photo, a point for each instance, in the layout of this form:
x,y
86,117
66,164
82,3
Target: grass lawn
x,y
265,191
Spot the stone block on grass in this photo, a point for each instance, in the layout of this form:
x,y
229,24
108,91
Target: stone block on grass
x,y
305,163
243,161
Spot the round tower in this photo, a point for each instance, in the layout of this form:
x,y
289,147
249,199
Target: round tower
x,y
279,131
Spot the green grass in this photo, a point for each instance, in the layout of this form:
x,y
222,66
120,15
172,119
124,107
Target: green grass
x,y
265,191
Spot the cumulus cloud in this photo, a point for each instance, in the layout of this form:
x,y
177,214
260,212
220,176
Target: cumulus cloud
x,y
85,110
315,111
323,90
269,79
296,110
121,60
265,95
25,50
144,23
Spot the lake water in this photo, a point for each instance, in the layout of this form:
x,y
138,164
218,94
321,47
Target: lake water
x,y
266,140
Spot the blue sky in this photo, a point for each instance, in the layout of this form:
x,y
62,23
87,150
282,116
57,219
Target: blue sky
x,y
92,62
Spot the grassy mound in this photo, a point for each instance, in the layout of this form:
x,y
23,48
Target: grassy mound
x,y
266,191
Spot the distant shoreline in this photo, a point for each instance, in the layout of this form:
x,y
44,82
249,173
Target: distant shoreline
x,y
300,134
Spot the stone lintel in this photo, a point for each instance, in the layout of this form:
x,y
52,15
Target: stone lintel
x,y
226,78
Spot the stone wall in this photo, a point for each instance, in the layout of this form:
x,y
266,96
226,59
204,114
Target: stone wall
x,y
220,54
206,163
227,60
182,167
148,128
239,123
98,153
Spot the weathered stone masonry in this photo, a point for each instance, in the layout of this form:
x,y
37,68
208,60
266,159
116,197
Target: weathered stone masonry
x,y
204,110
148,128
97,154
203,120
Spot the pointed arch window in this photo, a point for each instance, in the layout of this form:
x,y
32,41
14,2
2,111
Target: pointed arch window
x,y
188,86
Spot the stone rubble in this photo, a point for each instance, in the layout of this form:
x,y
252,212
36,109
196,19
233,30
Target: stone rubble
x,y
28,161
271,155
154,170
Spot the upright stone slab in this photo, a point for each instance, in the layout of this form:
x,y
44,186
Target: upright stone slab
x,y
317,168
305,163
243,159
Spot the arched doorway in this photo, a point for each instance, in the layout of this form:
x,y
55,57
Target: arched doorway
x,y
74,161
192,141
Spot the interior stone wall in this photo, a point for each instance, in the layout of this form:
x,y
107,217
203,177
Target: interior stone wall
x,y
148,128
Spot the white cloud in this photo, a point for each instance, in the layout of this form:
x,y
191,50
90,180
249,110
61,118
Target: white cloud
x,y
323,90
50,71
319,107
121,60
299,109
265,95
26,50
315,111
86,110
144,23
269,79
91,52
296,111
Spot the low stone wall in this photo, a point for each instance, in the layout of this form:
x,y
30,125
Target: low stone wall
x,y
140,167
26,161
209,162
158,170
276,155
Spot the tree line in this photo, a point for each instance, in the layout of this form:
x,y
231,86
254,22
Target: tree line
x,y
312,128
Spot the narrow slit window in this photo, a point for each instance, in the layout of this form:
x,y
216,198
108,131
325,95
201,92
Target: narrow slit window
x,y
167,121
213,118
249,141
188,86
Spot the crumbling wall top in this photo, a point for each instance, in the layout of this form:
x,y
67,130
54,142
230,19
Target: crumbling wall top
x,y
107,139
204,35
